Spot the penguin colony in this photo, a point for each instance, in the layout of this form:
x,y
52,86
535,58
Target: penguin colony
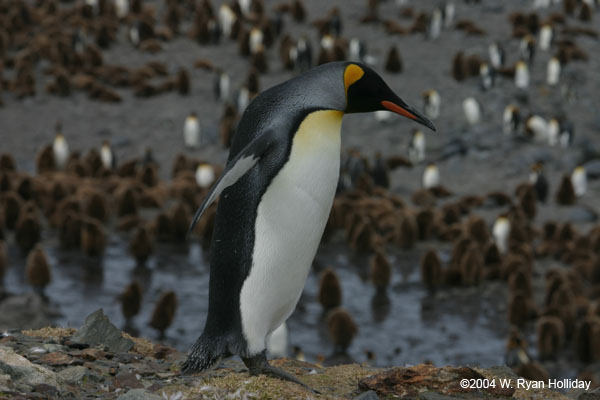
x,y
493,236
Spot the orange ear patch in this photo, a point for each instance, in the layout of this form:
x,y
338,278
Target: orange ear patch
x,y
352,73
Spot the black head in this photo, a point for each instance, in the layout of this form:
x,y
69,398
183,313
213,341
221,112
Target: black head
x,y
366,91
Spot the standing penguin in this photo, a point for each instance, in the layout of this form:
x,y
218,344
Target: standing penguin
x,y
191,131
60,148
277,191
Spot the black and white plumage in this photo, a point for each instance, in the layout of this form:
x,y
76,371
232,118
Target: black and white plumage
x,y
511,119
191,131
416,147
487,75
538,179
222,86
472,110
496,54
432,101
108,156
276,192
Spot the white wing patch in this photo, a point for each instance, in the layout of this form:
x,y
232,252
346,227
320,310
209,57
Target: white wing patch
x,y
229,177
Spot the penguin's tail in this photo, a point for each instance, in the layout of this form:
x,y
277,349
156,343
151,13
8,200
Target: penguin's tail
x,y
205,355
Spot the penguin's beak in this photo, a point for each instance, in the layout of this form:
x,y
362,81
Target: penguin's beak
x,y
407,111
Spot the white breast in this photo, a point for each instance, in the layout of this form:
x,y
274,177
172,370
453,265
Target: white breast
x,y
500,231
61,152
106,157
522,76
191,132
290,221
472,111
579,181
553,72
122,8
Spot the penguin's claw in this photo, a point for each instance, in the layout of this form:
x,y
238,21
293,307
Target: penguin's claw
x,y
258,365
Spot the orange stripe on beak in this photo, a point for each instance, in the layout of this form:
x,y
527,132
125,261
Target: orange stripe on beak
x,y
398,110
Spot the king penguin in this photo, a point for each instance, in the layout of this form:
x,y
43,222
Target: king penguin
x,y
276,193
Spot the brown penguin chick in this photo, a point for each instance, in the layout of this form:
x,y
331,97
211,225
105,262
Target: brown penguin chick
x,y
148,176
330,290
477,229
92,239
471,265
393,62
408,231
566,194
423,198
528,201
520,281
380,271
93,162
519,309
5,182
459,250
7,163
182,82
96,205
252,81
127,201
131,300
393,28
431,271
380,172
425,219
180,222
164,312
513,262
161,227
550,337
298,11
492,260
12,204
259,60
459,67
180,165
342,329
44,160
362,236
585,12
141,245
27,231
70,230
37,270
587,340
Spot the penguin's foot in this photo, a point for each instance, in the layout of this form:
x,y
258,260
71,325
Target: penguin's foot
x,y
258,365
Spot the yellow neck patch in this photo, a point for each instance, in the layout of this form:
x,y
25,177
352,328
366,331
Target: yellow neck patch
x,y
352,73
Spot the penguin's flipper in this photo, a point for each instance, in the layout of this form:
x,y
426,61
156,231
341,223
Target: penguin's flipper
x,y
235,169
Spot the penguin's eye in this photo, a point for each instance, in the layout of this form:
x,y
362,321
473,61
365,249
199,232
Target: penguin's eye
x,y
352,74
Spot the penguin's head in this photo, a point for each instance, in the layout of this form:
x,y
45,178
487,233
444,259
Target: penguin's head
x,y
366,91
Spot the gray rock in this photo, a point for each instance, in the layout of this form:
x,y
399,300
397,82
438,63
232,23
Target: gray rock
x,y
369,395
139,394
98,330
73,374
22,371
